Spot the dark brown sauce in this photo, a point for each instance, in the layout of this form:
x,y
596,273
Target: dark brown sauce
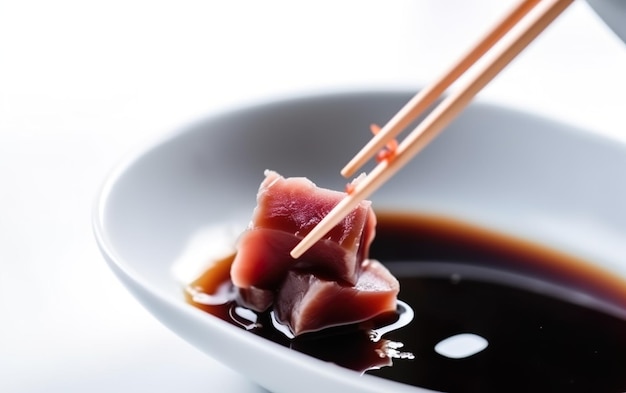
x,y
553,323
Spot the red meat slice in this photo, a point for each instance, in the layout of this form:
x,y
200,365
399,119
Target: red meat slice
x,y
307,303
254,298
287,209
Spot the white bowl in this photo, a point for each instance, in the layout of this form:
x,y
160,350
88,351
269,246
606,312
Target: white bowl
x,y
495,167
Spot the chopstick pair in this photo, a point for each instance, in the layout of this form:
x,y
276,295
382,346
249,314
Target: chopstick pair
x,y
443,114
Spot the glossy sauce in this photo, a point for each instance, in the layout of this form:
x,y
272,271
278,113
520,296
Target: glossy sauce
x,y
551,323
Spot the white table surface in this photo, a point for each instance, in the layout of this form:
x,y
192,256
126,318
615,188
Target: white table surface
x,y
84,83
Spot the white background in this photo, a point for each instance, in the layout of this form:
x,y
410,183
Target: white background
x,y
83,83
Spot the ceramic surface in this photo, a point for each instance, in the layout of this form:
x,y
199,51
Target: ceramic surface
x,y
495,167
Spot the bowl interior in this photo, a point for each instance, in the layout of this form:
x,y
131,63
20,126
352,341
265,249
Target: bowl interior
x,y
495,167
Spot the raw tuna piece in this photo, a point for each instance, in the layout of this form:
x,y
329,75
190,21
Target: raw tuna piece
x,y
287,209
307,303
254,298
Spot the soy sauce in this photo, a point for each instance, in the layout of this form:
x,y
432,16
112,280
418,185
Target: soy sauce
x,y
552,323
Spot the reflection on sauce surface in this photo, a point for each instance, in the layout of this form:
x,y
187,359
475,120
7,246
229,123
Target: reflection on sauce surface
x,y
550,323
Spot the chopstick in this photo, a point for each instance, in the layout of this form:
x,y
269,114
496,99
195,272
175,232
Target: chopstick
x,y
425,97
442,115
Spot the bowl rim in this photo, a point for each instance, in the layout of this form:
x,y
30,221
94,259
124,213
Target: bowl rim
x,y
124,269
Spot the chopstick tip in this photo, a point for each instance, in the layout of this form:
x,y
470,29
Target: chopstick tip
x,y
347,171
295,253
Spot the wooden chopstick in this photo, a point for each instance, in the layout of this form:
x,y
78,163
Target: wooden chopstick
x,y
425,97
439,118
